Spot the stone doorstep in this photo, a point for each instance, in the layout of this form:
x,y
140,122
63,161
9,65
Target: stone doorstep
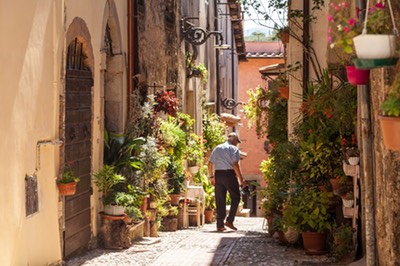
x,y
147,241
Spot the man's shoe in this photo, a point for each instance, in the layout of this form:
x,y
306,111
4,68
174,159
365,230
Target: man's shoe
x,y
230,225
222,229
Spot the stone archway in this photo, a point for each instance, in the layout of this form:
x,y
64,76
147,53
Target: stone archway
x,y
115,97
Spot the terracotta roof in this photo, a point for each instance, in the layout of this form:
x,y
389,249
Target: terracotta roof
x,y
264,49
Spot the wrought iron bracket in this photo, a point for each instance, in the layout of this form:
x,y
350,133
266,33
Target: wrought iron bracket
x,y
230,104
197,35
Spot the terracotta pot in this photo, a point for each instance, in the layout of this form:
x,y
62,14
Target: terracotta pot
x,y
67,189
284,92
390,132
169,224
143,207
208,216
314,243
335,185
357,76
175,199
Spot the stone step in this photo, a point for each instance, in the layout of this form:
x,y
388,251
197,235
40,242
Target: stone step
x,y
240,212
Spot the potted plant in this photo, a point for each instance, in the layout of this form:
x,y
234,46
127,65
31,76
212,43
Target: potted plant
x,y
169,216
390,117
342,30
376,46
342,244
67,184
307,210
166,102
348,199
106,180
213,131
194,152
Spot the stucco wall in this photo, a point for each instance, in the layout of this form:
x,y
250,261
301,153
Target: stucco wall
x,y
32,79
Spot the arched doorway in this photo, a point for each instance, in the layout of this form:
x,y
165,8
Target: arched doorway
x,y
78,147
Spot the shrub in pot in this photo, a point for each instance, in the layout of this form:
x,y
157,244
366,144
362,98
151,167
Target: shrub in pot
x,y
307,210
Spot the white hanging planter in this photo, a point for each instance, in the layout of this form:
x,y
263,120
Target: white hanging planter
x,y
375,46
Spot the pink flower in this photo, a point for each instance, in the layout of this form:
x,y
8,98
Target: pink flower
x,y
352,22
330,18
380,5
346,29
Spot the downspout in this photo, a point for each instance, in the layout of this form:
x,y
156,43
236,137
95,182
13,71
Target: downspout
x,y
217,74
367,154
233,86
130,55
306,43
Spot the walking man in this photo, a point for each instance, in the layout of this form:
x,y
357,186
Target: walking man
x,y
225,174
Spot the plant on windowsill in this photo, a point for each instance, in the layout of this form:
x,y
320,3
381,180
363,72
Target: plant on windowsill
x,y
390,117
67,184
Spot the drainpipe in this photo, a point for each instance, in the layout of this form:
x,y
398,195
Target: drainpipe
x,y
367,167
217,74
233,87
130,55
306,43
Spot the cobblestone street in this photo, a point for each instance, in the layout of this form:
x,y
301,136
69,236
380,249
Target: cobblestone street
x,y
250,245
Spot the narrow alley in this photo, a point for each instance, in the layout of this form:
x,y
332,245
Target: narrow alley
x,y
250,245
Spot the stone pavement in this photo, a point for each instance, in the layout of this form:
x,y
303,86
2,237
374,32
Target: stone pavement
x,y
250,245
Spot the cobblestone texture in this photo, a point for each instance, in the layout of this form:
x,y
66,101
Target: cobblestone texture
x,y
250,245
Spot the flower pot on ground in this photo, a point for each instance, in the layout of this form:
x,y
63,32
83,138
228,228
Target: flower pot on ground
x,y
67,184
115,210
174,199
342,242
315,243
208,216
357,76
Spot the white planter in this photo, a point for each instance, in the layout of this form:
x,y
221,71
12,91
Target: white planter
x,y
193,169
348,203
375,46
354,160
114,210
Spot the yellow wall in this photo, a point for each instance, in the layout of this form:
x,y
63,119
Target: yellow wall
x,y
31,78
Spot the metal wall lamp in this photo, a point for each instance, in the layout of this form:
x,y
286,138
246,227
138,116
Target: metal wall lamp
x,y
196,35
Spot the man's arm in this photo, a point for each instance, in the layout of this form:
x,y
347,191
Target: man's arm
x,y
211,172
238,173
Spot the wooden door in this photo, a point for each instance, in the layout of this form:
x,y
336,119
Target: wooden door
x,y
78,150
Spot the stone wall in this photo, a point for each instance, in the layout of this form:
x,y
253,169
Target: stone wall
x,y
387,171
158,42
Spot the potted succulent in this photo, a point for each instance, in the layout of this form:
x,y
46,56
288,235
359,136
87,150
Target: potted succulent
x,y
390,117
67,184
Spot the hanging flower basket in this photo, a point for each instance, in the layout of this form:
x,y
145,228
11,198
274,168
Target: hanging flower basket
x,y
390,127
357,76
375,46
67,189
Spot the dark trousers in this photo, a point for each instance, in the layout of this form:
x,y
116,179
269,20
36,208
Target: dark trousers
x,y
226,181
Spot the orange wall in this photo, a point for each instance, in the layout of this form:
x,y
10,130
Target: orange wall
x,y
250,78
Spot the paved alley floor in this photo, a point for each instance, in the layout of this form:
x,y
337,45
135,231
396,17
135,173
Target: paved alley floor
x,y
250,245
